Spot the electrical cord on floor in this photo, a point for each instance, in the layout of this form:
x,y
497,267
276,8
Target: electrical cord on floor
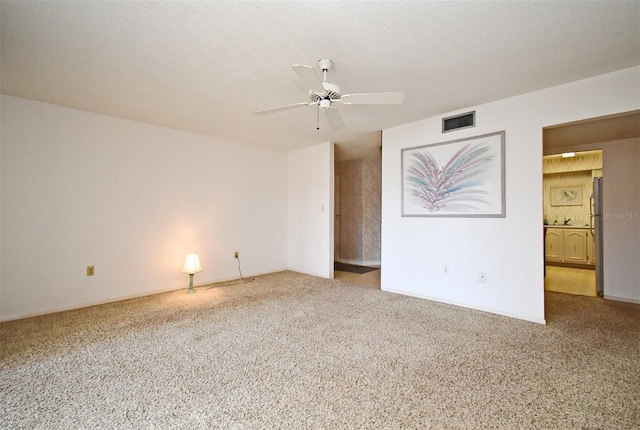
x,y
239,270
226,284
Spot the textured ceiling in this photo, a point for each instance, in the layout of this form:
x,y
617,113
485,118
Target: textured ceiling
x,y
206,67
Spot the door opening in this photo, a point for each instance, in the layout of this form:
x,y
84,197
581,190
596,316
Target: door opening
x,y
572,222
336,220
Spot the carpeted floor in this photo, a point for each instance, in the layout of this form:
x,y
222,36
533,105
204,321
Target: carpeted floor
x,y
291,351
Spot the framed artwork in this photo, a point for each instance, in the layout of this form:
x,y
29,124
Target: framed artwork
x,y
459,178
566,196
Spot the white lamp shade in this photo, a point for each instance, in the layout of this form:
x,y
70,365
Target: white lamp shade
x,y
192,265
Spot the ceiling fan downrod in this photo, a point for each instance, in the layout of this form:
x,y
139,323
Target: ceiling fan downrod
x,y
325,94
325,65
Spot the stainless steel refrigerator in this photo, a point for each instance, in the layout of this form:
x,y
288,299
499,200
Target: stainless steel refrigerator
x,y
595,223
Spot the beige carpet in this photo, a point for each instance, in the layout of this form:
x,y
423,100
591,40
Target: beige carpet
x,y
290,351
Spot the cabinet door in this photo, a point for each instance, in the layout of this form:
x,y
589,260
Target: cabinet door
x,y
554,245
591,246
575,246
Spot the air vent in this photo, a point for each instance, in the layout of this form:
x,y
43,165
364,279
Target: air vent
x,y
459,121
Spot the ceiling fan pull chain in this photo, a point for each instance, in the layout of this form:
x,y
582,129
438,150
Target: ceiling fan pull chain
x,y
318,116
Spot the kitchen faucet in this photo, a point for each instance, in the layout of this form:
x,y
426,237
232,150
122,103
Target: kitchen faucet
x,y
566,221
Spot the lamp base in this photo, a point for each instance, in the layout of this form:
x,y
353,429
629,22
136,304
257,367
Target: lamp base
x,y
191,290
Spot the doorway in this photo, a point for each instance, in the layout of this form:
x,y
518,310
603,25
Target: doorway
x,y
618,136
571,189
336,218
358,213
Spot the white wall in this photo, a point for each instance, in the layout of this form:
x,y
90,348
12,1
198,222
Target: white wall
x,y
509,250
621,220
1,208
311,182
132,199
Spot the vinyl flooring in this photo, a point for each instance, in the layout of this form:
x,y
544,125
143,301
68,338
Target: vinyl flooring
x,y
570,281
369,279
559,279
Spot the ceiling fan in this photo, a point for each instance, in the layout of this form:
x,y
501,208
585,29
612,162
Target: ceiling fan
x,y
324,94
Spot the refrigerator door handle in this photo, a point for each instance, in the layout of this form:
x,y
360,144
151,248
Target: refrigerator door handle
x,y
591,215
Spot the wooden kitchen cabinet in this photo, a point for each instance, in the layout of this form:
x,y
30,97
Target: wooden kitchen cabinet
x,y
569,245
575,246
554,244
591,246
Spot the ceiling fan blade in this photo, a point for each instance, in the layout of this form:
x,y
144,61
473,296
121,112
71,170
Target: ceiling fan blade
x,y
309,76
281,108
333,118
392,98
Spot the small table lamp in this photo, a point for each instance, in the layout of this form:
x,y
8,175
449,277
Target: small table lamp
x,y
191,266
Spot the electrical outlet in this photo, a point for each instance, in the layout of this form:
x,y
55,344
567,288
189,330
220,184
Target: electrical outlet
x,y
235,254
482,278
445,269
91,270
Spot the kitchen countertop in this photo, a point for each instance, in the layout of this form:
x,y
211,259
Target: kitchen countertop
x,y
566,226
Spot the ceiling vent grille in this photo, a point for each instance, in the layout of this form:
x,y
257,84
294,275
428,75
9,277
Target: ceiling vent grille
x,y
459,121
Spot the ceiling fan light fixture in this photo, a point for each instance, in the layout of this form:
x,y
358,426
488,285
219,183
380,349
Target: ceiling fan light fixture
x,y
323,94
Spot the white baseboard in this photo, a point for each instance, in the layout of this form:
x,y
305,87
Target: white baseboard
x,y
90,303
120,298
468,306
622,299
370,263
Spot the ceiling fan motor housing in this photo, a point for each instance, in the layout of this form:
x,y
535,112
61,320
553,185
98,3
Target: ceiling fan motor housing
x,y
323,94
332,90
